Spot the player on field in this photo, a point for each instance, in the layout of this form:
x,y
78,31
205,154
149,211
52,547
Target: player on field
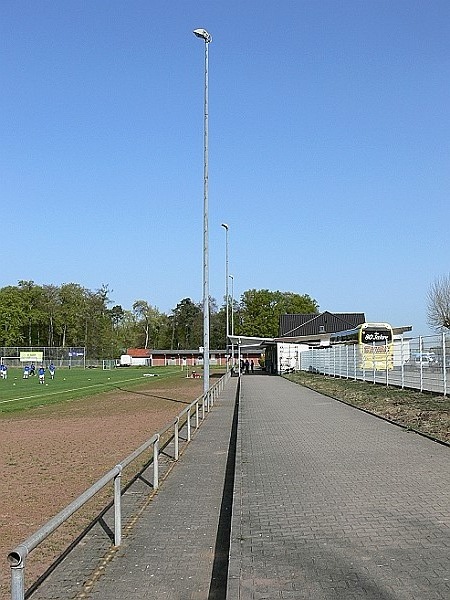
x,y
52,370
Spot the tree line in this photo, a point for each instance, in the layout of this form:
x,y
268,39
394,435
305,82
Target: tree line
x,y
71,315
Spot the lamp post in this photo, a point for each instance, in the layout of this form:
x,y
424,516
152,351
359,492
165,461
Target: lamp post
x,y
204,35
225,226
232,319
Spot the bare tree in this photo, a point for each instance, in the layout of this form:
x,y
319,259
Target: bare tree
x,y
439,303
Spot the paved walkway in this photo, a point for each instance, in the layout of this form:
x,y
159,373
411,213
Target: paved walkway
x,y
332,503
329,504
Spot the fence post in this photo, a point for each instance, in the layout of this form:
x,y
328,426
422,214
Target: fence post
x,y
402,360
155,463
373,363
387,363
196,415
346,360
420,360
444,363
117,508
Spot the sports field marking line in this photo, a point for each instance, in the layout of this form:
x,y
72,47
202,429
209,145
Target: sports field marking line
x,y
66,391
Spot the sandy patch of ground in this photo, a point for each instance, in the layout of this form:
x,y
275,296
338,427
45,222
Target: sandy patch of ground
x,y
50,455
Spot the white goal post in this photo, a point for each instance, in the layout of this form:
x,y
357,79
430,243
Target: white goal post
x,y
15,361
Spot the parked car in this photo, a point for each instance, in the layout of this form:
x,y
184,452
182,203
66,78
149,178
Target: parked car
x,y
422,360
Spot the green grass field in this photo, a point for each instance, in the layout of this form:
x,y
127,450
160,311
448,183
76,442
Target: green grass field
x,y
17,394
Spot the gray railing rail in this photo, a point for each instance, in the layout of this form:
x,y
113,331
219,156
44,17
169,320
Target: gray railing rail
x,y
17,558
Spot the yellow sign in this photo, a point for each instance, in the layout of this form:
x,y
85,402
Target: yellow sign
x,y
31,356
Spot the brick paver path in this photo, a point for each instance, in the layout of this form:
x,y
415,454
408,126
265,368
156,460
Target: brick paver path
x,y
332,503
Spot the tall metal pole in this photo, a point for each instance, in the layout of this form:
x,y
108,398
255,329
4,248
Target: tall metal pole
x,y
232,318
203,34
225,226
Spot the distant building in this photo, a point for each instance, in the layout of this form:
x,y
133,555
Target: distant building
x,y
315,329
298,332
162,358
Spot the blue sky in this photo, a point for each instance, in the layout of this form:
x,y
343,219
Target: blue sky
x,y
329,149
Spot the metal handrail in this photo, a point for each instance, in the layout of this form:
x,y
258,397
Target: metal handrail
x,y
17,557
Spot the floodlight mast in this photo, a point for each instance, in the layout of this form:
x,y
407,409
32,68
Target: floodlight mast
x,y
227,297
204,35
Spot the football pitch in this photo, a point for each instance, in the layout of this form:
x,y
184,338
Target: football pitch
x,y
18,394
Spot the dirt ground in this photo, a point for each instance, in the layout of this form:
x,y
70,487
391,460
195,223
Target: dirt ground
x,y
50,455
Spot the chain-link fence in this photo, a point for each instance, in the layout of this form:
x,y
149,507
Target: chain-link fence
x,y
421,363
16,356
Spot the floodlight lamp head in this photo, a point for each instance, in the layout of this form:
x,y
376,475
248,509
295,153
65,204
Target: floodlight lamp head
x,y
225,226
202,33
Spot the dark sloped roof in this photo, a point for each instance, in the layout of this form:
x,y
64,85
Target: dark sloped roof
x,y
311,324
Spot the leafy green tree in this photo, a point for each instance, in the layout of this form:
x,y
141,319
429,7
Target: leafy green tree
x,y
148,318
259,311
72,315
12,316
128,332
187,325
97,322
217,327
33,306
163,339
51,300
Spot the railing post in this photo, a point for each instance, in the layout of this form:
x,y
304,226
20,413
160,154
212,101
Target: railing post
x,y
196,415
176,438
117,508
155,463
18,581
189,424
